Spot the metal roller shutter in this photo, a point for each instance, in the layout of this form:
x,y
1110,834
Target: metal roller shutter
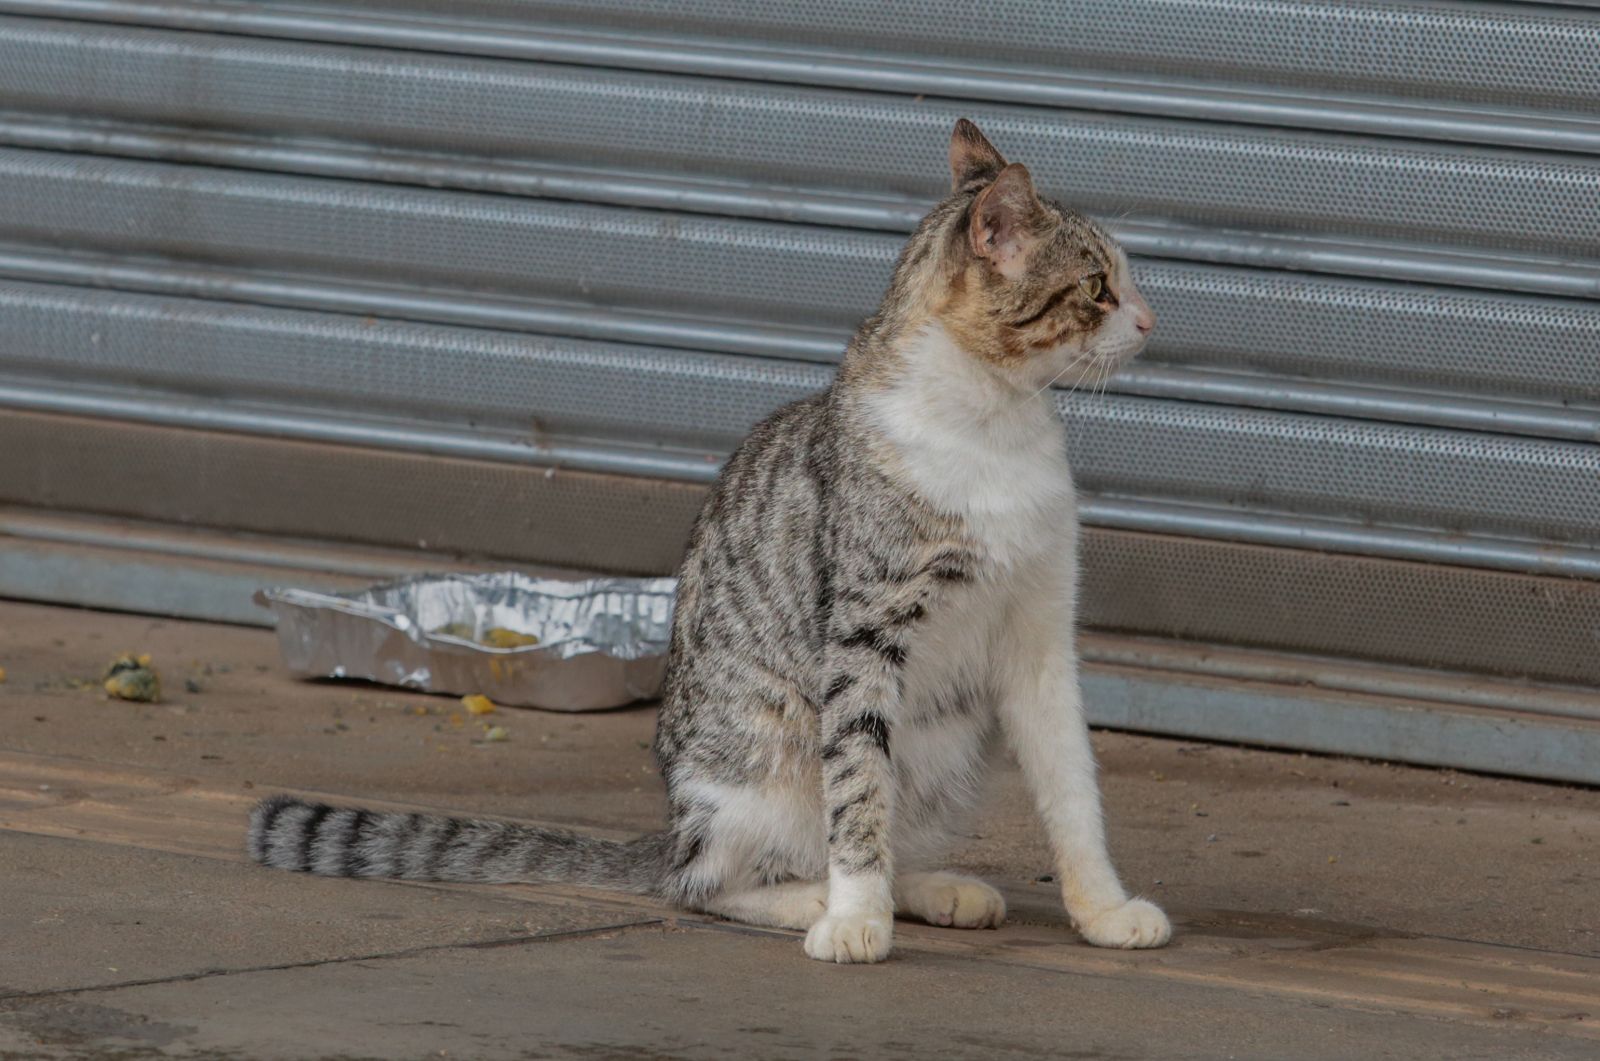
x,y
334,289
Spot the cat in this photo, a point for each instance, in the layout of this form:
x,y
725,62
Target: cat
x,y
880,587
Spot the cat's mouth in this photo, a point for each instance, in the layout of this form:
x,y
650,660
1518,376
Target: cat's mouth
x,y
1124,350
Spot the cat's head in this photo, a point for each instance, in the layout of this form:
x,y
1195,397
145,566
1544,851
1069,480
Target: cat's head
x,y
1035,289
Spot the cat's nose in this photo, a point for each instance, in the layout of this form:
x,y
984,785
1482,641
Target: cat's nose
x,y
1143,318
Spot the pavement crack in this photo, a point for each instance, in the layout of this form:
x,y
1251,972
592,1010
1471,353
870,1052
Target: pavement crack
x,y
407,952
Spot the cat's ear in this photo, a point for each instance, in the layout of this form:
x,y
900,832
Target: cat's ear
x,y
1001,226
971,155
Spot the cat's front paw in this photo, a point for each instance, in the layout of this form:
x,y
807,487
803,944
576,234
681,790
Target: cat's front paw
x,y
1136,923
846,938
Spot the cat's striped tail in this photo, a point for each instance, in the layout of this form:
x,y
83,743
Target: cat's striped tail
x,y
295,834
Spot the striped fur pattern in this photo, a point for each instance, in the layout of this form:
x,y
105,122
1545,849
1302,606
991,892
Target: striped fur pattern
x,y
878,595
312,837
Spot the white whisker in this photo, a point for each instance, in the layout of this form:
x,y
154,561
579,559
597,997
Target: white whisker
x,y
1108,366
1053,379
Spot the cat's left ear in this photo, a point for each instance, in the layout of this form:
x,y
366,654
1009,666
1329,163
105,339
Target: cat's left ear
x,y
971,155
1001,225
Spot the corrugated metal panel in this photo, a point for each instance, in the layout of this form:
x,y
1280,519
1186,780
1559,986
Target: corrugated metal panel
x,y
1428,55
314,248
532,387
817,139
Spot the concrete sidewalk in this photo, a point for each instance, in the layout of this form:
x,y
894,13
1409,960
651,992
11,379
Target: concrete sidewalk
x,y
1325,908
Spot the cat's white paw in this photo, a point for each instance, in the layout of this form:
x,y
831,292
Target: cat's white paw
x,y
951,900
1136,923
846,938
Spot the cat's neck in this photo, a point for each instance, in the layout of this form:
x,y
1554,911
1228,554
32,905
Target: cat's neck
x,y
951,396
967,440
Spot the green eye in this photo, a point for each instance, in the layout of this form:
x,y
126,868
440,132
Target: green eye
x,y
1094,286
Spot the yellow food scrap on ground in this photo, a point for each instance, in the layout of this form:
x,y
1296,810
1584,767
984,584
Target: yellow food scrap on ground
x,y
131,677
500,637
496,733
478,705
2,674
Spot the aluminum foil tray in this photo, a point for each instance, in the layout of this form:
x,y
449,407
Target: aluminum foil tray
x,y
602,643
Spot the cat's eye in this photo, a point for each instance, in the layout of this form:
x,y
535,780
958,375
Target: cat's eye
x,y
1094,286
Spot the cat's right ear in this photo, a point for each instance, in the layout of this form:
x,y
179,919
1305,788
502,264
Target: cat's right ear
x,y
972,156
1001,227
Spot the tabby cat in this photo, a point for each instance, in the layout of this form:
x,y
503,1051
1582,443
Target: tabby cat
x,y
879,588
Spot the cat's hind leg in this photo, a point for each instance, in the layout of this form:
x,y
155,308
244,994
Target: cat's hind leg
x,y
948,899
795,904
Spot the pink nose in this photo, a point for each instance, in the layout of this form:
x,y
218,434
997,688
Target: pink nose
x,y
1143,319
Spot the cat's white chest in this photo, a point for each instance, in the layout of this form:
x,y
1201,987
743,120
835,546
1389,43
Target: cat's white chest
x,y
975,449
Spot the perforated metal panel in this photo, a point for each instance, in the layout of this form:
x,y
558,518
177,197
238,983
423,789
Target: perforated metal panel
x,y
1479,52
1433,339
1185,451
817,139
510,277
